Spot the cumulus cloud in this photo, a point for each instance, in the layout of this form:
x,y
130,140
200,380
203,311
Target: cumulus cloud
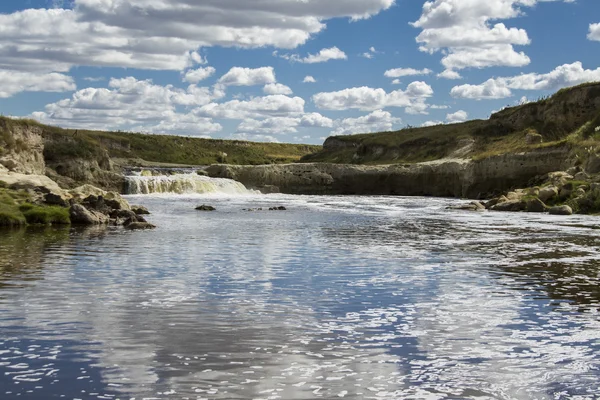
x,y
377,121
463,31
238,76
129,103
197,75
254,137
281,125
449,74
368,99
497,88
12,82
277,88
432,123
322,56
161,34
257,107
371,53
594,32
400,72
459,116
309,79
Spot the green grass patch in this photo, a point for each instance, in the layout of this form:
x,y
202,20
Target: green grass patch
x,y
45,215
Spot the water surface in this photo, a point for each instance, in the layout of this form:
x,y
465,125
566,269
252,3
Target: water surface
x,y
338,297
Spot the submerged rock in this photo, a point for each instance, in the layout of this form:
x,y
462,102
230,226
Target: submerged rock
x,y
139,226
205,207
280,208
561,210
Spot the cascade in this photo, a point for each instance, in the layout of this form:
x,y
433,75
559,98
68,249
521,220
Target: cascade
x,y
187,183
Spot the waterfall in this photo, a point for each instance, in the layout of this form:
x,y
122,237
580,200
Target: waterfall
x,y
183,184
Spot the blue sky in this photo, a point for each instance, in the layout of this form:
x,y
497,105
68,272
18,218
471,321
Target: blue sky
x,y
287,70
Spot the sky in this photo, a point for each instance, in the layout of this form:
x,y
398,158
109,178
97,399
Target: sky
x,y
294,71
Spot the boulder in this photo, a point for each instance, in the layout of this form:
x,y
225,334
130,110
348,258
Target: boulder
x,y
82,216
510,205
472,206
533,138
547,193
592,165
580,192
536,205
280,208
514,195
495,201
115,201
140,210
561,210
559,178
581,176
205,207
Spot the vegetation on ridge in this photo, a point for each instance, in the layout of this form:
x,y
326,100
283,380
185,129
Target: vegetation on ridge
x,y
61,144
570,117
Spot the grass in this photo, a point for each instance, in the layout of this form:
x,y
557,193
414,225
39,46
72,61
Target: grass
x,y
64,144
568,118
15,210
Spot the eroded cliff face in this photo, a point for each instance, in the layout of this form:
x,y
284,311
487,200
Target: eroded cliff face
x,y
22,148
444,178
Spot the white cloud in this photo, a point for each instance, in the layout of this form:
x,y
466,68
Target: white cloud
x,y
161,34
594,32
396,82
254,138
377,121
13,82
277,88
315,120
309,79
496,88
257,107
130,104
371,53
322,56
197,75
401,72
459,116
449,74
462,30
281,125
491,89
439,107
238,76
272,125
432,123
368,99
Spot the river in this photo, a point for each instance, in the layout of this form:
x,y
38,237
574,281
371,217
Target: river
x,y
336,297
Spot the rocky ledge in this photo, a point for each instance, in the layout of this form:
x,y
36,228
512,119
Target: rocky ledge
x,y
557,193
36,199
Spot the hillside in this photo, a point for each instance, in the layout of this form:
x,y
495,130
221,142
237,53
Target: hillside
x,y
569,117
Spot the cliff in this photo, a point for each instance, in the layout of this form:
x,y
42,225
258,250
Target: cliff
x,y
445,178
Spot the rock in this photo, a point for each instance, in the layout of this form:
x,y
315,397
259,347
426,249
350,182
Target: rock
x,y
566,190
534,191
280,208
201,172
204,207
514,195
559,178
547,193
10,164
125,215
139,226
561,210
592,165
510,205
115,201
573,170
81,215
580,192
536,205
85,191
268,189
55,200
533,138
140,210
581,176
472,206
